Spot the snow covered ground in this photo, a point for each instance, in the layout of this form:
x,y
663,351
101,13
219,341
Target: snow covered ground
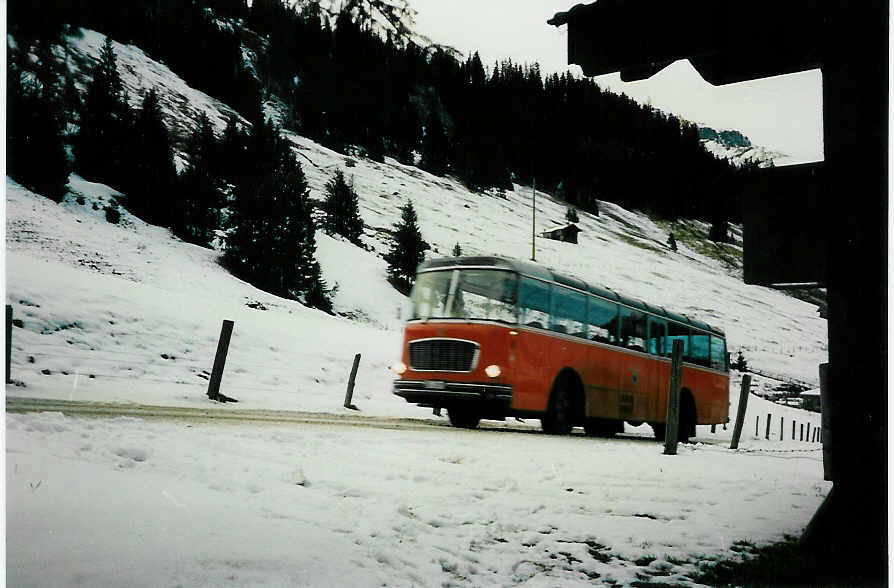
x,y
126,313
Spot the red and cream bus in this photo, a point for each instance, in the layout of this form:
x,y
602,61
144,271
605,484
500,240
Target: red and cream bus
x,y
490,338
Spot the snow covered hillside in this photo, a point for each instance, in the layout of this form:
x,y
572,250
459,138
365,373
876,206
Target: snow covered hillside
x,y
126,312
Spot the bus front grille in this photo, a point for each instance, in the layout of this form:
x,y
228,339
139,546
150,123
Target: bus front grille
x,y
443,355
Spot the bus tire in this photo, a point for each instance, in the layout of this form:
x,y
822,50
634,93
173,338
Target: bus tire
x,y
686,427
563,406
659,430
463,418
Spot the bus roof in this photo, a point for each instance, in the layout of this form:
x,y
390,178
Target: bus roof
x,y
538,271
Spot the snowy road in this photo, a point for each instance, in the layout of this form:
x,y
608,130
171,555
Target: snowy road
x,y
108,409
185,497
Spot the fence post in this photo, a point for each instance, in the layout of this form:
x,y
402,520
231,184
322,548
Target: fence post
x,y
768,426
671,430
740,413
757,427
794,424
807,436
781,428
8,343
220,359
349,393
802,431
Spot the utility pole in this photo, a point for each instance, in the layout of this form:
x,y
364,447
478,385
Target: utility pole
x,y
533,219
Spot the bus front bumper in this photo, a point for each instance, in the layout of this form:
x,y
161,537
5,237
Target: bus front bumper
x,y
436,393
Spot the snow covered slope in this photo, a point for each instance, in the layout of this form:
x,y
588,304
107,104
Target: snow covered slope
x,y
126,312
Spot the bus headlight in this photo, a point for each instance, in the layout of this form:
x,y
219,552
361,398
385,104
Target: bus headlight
x,y
493,371
399,368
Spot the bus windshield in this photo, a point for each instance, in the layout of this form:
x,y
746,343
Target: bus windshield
x,y
465,294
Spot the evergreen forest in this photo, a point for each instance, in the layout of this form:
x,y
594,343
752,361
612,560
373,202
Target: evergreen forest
x,y
346,86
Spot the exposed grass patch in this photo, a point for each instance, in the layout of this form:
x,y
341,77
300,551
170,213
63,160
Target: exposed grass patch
x,y
641,244
645,560
695,237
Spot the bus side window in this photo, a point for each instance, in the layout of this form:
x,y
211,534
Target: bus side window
x,y
657,331
701,348
569,312
533,301
603,319
718,353
633,329
677,332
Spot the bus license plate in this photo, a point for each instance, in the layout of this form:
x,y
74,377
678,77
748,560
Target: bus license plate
x,y
435,385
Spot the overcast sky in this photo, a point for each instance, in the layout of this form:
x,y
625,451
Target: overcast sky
x,y
782,113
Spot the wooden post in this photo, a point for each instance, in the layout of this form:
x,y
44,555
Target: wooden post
x,y
807,436
781,428
769,416
740,414
802,431
350,391
794,424
671,429
8,343
220,359
757,427
714,428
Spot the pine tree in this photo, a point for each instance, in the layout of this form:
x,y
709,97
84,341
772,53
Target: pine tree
x,y
342,210
151,184
35,147
198,208
435,147
272,241
407,251
457,250
571,215
101,145
294,269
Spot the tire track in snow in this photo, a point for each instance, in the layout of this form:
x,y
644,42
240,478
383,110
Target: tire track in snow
x,y
110,409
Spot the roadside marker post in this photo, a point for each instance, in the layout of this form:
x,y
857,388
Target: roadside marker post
x,y
740,414
349,393
220,359
673,400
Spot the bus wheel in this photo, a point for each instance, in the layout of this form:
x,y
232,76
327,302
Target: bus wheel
x,y
559,419
463,418
659,430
